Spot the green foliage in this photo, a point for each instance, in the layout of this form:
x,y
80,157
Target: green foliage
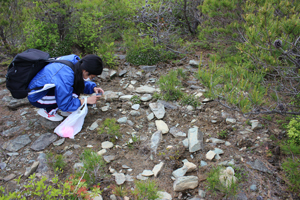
x,y
143,56
223,134
170,85
37,189
134,142
190,100
145,190
292,168
214,183
290,148
93,165
56,162
119,191
135,99
294,130
111,128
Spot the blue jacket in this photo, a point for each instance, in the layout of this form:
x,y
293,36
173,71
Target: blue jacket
x,y
63,77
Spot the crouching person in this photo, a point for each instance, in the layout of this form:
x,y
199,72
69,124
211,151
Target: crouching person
x,y
69,84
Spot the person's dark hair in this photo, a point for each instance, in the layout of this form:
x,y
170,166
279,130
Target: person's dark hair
x,y
92,64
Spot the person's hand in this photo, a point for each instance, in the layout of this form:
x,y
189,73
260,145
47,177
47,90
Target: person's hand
x,y
98,90
92,99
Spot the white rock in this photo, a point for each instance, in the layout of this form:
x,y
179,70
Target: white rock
x,y
147,173
120,178
157,168
150,116
126,97
107,145
146,97
190,166
163,196
158,109
101,152
145,89
185,182
230,121
210,155
162,126
135,106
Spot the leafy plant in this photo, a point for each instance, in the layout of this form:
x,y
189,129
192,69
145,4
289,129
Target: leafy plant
x,y
294,130
134,142
291,168
93,165
190,100
119,191
111,128
223,134
145,190
56,161
135,99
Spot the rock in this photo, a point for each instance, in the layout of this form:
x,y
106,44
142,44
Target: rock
x,y
158,109
241,196
122,120
145,89
180,172
194,63
104,108
129,178
43,165
203,163
168,105
162,126
94,125
15,103
78,166
134,113
210,155
110,158
101,152
202,193
10,132
43,141
255,125
146,97
163,196
150,116
47,123
9,177
68,153
123,72
177,133
140,177
135,106
185,142
99,197
32,169
218,151
147,173
2,165
155,140
148,68
230,121
227,177
119,178
185,182
253,188
157,168
112,73
125,97
195,138
17,143
59,142
107,145
216,140
260,166
110,96
191,166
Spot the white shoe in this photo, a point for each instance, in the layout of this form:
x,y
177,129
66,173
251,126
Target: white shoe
x,y
56,117
65,114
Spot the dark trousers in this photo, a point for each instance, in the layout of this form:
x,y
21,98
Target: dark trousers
x,y
48,102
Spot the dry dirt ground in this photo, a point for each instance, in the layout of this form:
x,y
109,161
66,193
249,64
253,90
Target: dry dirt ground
x,y
269,185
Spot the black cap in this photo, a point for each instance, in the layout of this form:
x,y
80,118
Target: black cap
x,y
92,64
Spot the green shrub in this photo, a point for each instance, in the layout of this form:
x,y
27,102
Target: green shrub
x,y
135,99
223,134
143,56
190,100
292,168
111,128
92,169
294,130
145,190
56,162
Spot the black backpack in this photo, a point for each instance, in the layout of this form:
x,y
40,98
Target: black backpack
x,y
23,69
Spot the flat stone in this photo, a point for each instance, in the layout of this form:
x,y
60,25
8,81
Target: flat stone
x,y
2,165
12,131
101,152
216,141
146,97
157,168
134,113
195,138
43,165
150,117
17,143
110,158
78,166
158,109
185,142
43,141
105,108
218,151
32,169
180,172
203,163
9,177
47,123
155,140
185,182
59,142
135,106
122,120
260,166
148,68
210,155
168,105
163,196
145,89
126,97
123,72
147,173
162,126
230,121
94,125
107,145
120,178
191,166
176,132
140,177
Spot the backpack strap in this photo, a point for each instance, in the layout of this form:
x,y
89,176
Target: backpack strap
x,y
66,62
